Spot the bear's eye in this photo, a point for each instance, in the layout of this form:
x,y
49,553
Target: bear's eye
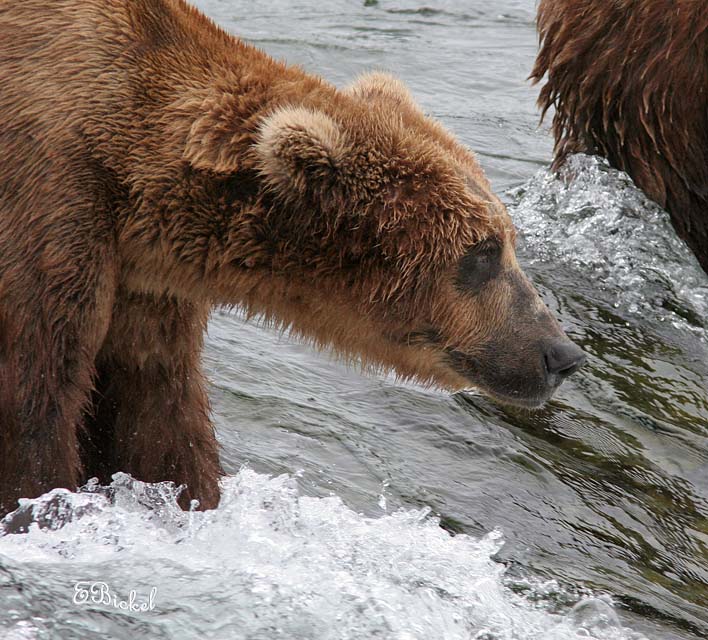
x,y
478,266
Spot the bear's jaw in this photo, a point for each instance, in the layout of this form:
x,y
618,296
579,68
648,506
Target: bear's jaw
x,y
526,391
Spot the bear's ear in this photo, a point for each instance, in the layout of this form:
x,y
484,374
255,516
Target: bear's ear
x,y
299,148
214,141
383,87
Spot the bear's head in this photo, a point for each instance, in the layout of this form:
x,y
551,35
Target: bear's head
x,y
373,231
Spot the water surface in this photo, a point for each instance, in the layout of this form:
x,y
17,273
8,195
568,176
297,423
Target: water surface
x,y
373,509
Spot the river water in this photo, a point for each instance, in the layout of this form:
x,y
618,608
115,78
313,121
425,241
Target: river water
x,y
357,507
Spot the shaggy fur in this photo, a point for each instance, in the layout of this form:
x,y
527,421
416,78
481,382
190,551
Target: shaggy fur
x,y
629,81
153,167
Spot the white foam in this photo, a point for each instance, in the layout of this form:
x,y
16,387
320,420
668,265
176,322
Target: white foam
x,y
271,563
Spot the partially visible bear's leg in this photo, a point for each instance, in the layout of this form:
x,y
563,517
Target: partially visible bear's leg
x,y
57,279
152,414
46,376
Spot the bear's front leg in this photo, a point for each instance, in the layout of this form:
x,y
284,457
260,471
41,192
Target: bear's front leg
x,y
46,375
53,318
151,417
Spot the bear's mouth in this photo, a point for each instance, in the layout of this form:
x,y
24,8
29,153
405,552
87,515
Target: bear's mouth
x,y
506,385
519,380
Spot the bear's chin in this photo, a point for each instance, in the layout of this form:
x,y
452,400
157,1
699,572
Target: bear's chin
x,y
520,402
509,400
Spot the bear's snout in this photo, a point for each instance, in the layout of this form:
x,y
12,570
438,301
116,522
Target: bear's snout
x,y
515,351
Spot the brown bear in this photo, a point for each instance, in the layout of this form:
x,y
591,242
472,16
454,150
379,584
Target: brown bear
x,y
155,166
629,81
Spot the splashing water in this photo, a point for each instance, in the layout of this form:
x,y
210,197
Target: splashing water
x,y
593,217
268,563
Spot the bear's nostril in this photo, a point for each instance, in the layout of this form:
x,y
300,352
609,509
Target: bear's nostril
x,y
563,358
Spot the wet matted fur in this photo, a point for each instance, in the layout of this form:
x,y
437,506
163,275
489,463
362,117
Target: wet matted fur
x,y
628,80
155,166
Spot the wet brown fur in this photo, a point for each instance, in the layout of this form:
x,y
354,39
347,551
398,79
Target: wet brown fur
x,y
153,167
629,81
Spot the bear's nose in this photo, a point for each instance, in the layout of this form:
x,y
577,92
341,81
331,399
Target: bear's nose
x,y
563,358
